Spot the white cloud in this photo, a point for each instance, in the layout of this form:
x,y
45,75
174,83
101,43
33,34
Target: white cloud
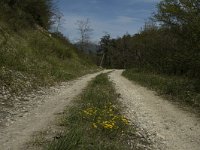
x,y
124,19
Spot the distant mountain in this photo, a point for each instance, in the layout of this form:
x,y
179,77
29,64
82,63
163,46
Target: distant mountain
x,y
89,48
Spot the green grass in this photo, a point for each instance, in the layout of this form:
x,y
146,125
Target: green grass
x,y
30,59
34,52
94,122
175,88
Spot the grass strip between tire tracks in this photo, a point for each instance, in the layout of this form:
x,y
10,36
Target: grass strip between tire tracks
x,y
94,121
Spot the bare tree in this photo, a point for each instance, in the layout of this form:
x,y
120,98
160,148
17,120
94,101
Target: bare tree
x,y
85,32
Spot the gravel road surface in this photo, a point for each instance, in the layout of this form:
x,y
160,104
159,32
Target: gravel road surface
x,y
169,127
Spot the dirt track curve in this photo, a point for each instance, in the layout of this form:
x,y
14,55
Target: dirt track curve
x,y
17,134
170,127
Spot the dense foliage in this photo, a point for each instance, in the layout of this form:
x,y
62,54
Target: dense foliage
x,y
20,13
173,47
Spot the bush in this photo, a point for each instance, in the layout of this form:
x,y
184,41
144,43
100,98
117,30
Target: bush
x,y
20,14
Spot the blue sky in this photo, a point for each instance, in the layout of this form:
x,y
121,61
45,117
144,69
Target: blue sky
x,y
115,17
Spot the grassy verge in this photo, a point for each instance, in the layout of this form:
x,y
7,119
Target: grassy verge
x,y
31,58
182,90
94,121
34,53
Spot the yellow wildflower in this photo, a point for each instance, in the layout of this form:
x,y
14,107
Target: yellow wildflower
x,y
125,120
108,124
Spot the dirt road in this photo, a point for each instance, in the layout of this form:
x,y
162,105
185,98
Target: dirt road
x,y
168,126
14,136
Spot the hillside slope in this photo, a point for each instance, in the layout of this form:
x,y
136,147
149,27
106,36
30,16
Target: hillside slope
x,y
32,58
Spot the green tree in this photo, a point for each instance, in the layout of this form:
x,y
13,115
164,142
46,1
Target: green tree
x,y
183,18
182,15
103,51
20,13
